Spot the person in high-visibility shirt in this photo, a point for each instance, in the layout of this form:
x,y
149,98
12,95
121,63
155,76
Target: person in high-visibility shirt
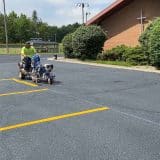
x,y
27,51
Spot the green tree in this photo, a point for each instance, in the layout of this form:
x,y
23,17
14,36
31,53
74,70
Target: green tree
x,y
67,46
12,19
22,28
35,16
35,23
2,33
150,41
144,40
52,33
155,44
64,30
43,30
88,41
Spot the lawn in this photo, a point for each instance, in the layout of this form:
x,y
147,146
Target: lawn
x,y
118,63
16,49
11,50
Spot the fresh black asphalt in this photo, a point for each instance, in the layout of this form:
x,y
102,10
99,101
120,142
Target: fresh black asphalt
x,y
130,130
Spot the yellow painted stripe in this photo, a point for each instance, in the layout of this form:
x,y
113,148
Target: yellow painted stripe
x,y
23,92
25,82
30,123
6,79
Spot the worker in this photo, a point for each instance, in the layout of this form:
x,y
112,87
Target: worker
x,y
27,51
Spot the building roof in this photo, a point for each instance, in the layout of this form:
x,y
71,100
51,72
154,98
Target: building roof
x,y
118,4
39,41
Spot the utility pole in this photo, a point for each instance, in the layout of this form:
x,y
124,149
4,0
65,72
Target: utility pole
x,y
55,37
82,5
87,14
5,26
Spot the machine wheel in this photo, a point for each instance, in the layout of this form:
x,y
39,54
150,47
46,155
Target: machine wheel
x,y
36,80
21,75
50,81
33,80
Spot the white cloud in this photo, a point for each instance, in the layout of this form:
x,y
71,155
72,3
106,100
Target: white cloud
x,y
56,12
57,2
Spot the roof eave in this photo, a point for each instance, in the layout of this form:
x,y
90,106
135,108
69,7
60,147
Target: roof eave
x,y
107,11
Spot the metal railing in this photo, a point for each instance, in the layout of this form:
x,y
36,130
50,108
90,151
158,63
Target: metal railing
x,y
16,49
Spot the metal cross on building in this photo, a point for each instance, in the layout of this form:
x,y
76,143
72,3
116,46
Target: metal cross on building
x,y
142,19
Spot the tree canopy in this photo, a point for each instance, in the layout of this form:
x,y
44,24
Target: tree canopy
x,y
21,28
150,42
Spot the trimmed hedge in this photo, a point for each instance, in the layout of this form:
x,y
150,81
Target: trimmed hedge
x,y
88,41
113,54
133,55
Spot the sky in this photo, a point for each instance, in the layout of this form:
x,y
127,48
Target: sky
x,y
55,12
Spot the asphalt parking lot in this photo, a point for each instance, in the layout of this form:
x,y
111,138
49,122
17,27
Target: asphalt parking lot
x,y
90,113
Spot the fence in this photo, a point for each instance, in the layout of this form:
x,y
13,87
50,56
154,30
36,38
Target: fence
x,y
16,49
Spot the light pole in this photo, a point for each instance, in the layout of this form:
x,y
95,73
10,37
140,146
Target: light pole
x,y
37,34
82,5
5,26
55,37
87,14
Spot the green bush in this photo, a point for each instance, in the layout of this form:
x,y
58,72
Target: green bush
x,y
150,42
155,44
133,55
144,40
113,54
88,42
67,46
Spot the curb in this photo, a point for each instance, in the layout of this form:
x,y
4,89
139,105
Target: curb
x,y
137,68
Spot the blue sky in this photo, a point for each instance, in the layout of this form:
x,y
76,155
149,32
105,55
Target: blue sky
x,y
55,12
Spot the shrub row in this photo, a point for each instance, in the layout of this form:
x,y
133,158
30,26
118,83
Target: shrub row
x,y
87,41
132,55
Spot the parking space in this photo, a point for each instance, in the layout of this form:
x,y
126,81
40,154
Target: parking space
x,y
89,113
14,86
29,94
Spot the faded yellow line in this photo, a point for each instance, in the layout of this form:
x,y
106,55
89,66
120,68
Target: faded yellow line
x,y
23,92
6,79
25,82
30,123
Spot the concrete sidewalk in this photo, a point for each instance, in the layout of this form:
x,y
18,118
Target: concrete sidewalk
x,y
149,69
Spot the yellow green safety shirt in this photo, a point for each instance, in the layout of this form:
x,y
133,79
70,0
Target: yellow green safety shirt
x,y
29,52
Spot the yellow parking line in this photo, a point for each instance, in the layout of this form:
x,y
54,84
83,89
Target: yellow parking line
x,y
23,92
30,123
6,79
25,82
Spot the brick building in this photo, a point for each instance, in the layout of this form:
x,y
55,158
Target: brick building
x,y
125,20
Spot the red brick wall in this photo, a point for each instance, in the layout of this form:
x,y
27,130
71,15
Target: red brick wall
x,y
123,26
